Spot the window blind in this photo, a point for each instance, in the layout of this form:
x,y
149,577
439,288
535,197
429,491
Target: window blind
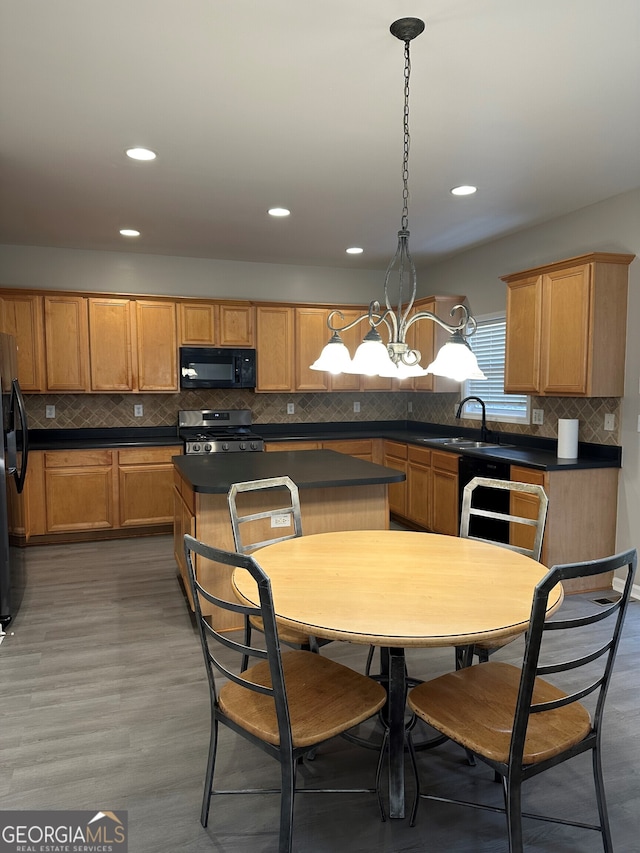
x,y
488,344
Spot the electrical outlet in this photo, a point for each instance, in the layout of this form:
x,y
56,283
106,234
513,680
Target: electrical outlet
x,y
356,407
537,416
138,410
281,521
49,411
638,423
609,421
409,407
291,408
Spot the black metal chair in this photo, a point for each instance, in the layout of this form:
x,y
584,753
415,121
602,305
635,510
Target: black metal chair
x,y
251,531
519,723
286,704
529,527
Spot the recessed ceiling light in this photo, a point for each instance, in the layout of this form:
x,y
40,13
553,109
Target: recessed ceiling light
x,y
464,190
129,232
355,250
141,154
279,211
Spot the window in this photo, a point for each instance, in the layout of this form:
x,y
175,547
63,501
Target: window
x,y
488,344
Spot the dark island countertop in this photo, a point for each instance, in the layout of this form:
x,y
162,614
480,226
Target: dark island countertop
x,y
309,469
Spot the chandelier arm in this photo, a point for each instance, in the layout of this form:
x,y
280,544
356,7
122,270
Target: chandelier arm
x,y
465,320
373,315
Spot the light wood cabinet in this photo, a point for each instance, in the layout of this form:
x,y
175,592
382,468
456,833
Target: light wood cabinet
x,y
279,446
419,486
369,449
352,339
216,324
94,494
66,343
311,335
275,348
157,347
145,481
395,456
566,327
445,509
581,519
78,488
197,323
236,325
22,317
110,344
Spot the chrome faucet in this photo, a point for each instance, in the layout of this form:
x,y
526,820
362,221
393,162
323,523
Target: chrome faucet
x,y
484,432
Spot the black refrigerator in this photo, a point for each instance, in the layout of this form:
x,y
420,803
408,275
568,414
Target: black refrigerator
x,y
14,451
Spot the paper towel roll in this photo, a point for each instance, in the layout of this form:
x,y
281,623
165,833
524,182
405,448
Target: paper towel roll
x,y
568,438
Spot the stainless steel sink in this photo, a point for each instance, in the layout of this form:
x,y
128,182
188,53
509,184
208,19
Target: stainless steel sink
x,y
467,443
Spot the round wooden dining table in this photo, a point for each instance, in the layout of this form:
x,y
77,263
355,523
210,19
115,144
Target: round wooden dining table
x,y
398,589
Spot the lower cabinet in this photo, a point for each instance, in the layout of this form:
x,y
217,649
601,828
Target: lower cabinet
x,y
581,519
395,456
96,493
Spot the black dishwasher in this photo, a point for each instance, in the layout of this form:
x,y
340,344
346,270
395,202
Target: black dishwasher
x,y
491,499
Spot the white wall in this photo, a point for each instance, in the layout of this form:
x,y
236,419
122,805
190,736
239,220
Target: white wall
x,y
610,226
160,275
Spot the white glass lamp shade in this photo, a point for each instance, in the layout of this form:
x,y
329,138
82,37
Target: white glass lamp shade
x,y
371,356
456,361
334,358
402,370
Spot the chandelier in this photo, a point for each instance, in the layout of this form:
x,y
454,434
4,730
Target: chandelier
x,y
395,358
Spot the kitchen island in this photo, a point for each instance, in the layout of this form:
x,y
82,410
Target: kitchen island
x,y
337,492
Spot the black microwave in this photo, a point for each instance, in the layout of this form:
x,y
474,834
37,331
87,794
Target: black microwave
x,y
206,367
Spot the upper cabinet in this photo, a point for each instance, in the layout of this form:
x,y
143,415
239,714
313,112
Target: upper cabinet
x,y
566,327
66,343
216,324
133,345
428,337
22,317
275,348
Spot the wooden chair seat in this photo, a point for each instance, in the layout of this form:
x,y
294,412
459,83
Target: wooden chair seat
x,y
476,707
325,699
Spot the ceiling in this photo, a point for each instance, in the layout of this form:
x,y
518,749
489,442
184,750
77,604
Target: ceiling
x,y
256,103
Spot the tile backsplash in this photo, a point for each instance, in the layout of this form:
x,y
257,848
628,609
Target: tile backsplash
x,y
75,411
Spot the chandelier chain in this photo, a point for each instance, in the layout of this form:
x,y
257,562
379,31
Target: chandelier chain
x,y
405,159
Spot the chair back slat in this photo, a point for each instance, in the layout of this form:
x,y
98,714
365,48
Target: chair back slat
x,y
516,522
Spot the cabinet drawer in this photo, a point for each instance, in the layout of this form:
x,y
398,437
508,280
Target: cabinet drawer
x,y
444,461
352,447
394,448
77,458
144,455
420,455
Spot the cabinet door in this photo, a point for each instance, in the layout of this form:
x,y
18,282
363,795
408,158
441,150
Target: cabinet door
x,y
79,490
157,346
445,513
22,318
311,336
236,325
184,521
395,456
145,478
523,330
566,331
526,506
66,343
110,344
360,448
279,446
274,348
419,487
197,323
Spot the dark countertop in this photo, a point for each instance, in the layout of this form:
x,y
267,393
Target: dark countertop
x,y
513,447
309,469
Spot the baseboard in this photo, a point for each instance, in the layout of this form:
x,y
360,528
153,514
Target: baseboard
x,y
618,585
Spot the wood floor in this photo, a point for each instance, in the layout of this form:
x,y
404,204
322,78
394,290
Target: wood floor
x,y
104,705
